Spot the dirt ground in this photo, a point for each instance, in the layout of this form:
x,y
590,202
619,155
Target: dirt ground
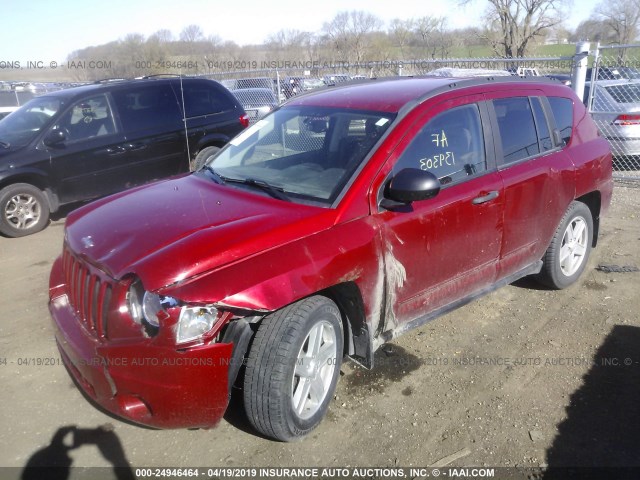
x,y
522,377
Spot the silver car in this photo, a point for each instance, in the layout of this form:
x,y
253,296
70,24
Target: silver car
x,y
616,110
257,102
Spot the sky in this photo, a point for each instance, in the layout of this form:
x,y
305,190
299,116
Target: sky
x,y
45,30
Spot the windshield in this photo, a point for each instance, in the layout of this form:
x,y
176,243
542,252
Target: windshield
x,y
308,152
19,128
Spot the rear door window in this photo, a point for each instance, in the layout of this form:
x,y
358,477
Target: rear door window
x,y
517,128
148,107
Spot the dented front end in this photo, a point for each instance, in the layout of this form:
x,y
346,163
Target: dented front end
x,y
149,359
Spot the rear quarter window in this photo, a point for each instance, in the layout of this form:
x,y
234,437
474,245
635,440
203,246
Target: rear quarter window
x,y
517,128
562,109
203,98
627,93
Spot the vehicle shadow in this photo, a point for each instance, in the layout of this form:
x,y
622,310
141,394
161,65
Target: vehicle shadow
x,y
530,283
53,462
236,415
600,433
65,210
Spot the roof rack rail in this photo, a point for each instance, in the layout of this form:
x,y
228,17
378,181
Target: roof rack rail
x,y
173,75
107,80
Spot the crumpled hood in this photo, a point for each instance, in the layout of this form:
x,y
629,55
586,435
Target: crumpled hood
x,y
174,229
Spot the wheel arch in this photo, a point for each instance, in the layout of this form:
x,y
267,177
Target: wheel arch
x,y
38,180
357,341
215,140
593,201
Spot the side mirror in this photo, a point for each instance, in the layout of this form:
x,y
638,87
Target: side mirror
x,y
55,137
411,185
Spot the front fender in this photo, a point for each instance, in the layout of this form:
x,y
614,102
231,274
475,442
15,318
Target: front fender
x,y
212,140
26,175
268,281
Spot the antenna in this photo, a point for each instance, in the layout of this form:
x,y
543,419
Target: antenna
x,y
184,120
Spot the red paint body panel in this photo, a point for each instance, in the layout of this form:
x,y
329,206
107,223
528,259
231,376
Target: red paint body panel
x,y
592,156
182,227
178,389
382,96
248,254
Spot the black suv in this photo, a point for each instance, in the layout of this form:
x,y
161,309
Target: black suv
x,y
94,140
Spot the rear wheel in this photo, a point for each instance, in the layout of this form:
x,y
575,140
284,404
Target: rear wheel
x,y
568,253
293,368
23,210
202,157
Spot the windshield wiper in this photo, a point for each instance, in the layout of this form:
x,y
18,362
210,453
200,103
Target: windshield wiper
x,y
219,179
276,192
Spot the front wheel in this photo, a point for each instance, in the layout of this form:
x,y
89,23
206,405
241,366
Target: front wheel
x,y
202,157
23,210
568,253
293,368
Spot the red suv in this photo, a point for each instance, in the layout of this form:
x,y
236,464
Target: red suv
x,y
338,222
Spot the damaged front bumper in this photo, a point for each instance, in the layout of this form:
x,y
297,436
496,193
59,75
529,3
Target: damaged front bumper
x,y
155,385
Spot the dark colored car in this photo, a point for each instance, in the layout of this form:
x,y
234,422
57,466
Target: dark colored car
x,y
338,222
563,78
615,73
257,102
86,142
292,86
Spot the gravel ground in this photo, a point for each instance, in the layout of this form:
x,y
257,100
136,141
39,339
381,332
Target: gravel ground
x,y
522,377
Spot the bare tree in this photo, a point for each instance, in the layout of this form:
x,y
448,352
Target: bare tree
x,y
593,29
432,36
191,33
514,24
349,34
469,38
401,33
161,36
622,17
291,44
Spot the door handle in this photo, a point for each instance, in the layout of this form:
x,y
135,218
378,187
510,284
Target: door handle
x,y
116,150
135,146
485,198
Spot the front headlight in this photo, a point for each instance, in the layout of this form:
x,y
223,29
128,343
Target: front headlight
x,y
195,322
135,296
151,307
144,306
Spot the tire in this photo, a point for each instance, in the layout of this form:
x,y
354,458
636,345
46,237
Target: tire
x,y
23,210
568,253
290,377
202,157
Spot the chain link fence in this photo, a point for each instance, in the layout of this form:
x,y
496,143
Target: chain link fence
x,y
612,94
611,81
261,90
612,87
